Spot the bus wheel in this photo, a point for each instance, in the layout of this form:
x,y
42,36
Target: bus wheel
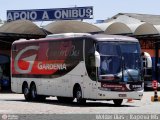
x,y
118,102
78,96
26,92
34,95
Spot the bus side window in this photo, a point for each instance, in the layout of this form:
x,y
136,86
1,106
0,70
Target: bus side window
x,y
90,59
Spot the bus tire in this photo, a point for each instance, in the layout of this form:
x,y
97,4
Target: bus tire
x,y
26,92
78,96
118,102
33,91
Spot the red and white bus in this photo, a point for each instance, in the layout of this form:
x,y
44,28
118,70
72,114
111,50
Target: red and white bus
x,y
78,65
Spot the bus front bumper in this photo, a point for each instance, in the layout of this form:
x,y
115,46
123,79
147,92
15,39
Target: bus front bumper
x,y
137,95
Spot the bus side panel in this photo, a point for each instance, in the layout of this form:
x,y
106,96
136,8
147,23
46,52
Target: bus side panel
x,y
14,85
47,64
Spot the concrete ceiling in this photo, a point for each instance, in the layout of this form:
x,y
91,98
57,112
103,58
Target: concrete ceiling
x,y
21,27
71,26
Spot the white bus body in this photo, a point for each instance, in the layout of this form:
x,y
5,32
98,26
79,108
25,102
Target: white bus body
x,y
70,66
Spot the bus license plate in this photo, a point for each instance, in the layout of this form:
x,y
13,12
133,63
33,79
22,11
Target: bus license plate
x,y
122,95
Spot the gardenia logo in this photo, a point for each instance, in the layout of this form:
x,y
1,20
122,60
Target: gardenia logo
x,y
51,66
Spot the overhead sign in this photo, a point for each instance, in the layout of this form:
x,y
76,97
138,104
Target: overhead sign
x,y
51,14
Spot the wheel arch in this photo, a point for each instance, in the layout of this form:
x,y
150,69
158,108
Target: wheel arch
x,y
76,86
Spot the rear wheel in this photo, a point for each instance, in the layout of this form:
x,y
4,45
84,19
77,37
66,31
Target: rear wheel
x,y
118,102
78,96
26,92
34,95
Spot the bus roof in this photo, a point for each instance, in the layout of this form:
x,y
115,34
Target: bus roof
x,y
65,36
103,37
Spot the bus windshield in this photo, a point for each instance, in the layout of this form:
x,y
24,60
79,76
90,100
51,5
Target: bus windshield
x,y
121,59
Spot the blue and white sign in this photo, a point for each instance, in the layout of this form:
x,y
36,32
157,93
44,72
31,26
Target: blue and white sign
x,y
51,14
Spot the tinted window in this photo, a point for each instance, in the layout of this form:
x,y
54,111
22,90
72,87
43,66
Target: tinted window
x,y
90,58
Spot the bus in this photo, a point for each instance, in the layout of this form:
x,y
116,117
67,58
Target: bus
x,y
78,66
147,70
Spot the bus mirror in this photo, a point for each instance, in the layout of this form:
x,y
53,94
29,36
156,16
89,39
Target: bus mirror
x,y
97,59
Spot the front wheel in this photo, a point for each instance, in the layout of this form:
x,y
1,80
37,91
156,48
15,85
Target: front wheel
x,y
78,96
118,102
